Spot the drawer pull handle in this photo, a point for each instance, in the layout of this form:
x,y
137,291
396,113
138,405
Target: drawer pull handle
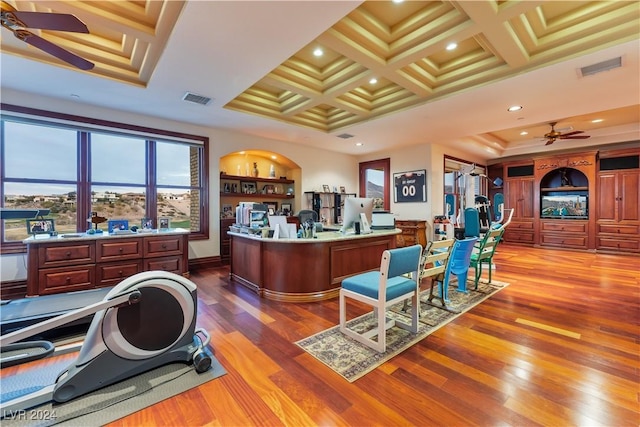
x,y
68,254
120,249
164,246
68,279
120,273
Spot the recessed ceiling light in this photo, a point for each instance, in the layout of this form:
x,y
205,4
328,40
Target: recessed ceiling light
x,y
373,81
398,1
597,120
318,52
274,157
524,132
359,144
452,46
242,152
515,108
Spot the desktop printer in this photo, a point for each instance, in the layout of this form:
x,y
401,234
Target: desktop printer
x,y
383,221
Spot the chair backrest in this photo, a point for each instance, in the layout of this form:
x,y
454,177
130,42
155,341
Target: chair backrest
x,y
399,261
461,255
488,244
471,222
435,257
304,215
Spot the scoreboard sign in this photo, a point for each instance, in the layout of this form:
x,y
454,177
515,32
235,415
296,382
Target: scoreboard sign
x,y
410,186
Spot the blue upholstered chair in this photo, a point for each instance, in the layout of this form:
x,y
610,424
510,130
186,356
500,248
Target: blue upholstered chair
x,y
381,289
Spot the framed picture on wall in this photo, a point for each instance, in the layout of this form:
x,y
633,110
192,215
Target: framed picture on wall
x,y
326,188
410,187
286,208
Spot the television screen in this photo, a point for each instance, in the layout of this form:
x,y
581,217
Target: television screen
x,y
564,206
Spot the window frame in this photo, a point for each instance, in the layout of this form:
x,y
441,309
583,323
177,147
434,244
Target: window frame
x,y
84,126
385,166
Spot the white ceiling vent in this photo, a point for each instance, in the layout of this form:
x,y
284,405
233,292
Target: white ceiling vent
x,y
345,136
607,65
198,99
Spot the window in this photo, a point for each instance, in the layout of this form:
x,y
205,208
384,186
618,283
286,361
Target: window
x,y
115,170
463,180
374,182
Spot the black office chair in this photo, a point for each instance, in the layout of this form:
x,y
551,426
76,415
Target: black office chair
x,y
304,215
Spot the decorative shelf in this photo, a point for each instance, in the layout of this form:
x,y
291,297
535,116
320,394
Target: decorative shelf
x,y
255,179
257,195
564,189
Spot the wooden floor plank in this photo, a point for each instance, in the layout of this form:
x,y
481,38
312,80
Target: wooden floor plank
x,y
571,359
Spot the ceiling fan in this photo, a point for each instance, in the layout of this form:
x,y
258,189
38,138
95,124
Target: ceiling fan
x,y
554,134
17,22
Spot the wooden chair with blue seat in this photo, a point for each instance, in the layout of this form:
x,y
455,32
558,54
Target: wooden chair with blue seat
x,y
381,289
484,251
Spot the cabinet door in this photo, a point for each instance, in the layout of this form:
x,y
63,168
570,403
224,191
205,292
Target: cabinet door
x,y
629,195
607,202
519,195
526,191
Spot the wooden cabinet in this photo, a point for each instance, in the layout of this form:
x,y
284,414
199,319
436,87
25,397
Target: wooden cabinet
x,y
413,231
564,233
63,265
618,204
225,240
519,193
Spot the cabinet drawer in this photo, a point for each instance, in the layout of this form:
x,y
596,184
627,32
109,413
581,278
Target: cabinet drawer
x,y
618,229
69,254
65,279
563,240
163,246
517,236
172,264
568,227
627,245
528,225
114,273
112,250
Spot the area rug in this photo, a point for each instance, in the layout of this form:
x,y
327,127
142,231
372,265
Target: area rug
x,y
352,360
104,405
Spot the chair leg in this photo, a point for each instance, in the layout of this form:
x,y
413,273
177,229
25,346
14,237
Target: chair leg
x,y
462,282
489,260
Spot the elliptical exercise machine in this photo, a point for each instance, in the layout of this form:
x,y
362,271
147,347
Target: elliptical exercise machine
x,y
146,321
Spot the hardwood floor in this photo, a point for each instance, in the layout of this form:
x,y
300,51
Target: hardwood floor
x,y
558,347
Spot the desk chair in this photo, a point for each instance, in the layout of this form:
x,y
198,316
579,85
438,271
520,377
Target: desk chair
x,y
304,215
381,289
484,251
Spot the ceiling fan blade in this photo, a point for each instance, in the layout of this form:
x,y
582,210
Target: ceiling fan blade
x,y
47,21
53,49
575,137
550,141
575,132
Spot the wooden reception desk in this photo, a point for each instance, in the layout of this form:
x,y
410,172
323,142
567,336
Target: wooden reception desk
x,y
304,270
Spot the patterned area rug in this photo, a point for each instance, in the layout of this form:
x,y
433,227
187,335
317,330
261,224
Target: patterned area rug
x,y
352,359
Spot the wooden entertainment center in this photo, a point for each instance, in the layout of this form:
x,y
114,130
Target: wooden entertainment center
x,y
601,189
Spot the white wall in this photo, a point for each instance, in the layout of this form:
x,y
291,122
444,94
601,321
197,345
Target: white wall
x,y
318,166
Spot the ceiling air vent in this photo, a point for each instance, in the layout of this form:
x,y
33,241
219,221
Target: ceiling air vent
x,y
345,136
198,99
607,65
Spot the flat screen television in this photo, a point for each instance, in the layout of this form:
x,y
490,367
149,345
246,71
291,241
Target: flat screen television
x,y
567,205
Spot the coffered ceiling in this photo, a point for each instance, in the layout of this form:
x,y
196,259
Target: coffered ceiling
x,y
256,60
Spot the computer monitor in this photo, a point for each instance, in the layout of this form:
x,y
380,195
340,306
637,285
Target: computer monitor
x,y
353,207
